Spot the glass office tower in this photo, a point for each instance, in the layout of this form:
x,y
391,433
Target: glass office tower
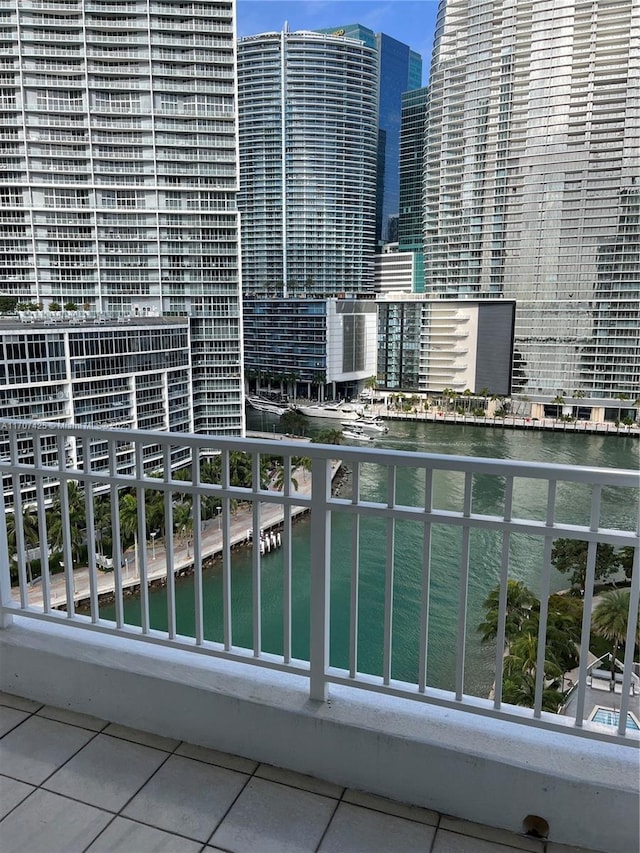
x,y
532,168
308,140
118,173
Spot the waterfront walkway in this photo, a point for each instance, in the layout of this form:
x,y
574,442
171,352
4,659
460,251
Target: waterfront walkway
x,y
507,422
241,523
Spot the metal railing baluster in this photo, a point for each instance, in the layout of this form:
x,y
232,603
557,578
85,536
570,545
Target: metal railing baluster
x,y
355,574
388,579
464,586
425,592
502,600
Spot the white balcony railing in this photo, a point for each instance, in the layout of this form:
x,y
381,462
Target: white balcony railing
x,y
120,460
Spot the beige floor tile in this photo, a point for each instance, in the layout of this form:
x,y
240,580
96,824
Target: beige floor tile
x,y
272,818
38,747
48,823
146,738
107,772
187,797
371,801
299,780
17,702
213,756
359,830
73,718
453,842
127,836
12,792
10,718
499,836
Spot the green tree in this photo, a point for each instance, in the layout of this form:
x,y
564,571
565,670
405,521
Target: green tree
x,y
294,422
523,657
622,397
29,532
564,619
484,393
128,512
569,556
626,556
331,435
183,519
520,603
610,619
564,624
558,402
77,524
520,689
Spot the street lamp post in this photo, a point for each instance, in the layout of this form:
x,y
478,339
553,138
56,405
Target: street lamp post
x,y
153,544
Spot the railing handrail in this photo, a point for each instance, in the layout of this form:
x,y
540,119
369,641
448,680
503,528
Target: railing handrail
x,y
437,461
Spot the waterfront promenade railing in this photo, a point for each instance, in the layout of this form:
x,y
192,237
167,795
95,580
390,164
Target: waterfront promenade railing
x,y
288,477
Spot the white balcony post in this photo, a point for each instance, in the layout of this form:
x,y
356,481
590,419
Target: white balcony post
x,y
320,577
5,570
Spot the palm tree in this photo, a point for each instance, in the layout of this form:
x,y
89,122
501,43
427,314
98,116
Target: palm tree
x,y
183,520
294,422
520,604
524,658
520,689
622,397
278,480
557,402
328,436
484,393
76,530
497,398
128,510
29,532
610,620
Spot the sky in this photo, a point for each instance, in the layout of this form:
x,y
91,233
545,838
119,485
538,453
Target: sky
x,y
409,21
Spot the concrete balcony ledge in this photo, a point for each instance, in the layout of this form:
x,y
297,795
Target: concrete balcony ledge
x,y
468,766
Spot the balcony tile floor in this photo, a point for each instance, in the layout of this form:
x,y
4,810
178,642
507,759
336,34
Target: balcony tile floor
x,y
72,783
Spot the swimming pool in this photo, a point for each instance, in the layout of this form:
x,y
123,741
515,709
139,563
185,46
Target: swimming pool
x,y
611,717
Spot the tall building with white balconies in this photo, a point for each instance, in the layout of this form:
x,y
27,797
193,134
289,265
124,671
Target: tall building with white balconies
x,y
118,172
532,182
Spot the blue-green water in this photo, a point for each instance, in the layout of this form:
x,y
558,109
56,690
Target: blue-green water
x,y
573,504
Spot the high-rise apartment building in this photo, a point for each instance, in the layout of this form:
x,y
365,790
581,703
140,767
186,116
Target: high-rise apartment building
x,y
399,70
532,173
118,172
411,173
308,141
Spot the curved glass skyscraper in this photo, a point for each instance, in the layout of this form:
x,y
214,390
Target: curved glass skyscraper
x,y
532,182
308,128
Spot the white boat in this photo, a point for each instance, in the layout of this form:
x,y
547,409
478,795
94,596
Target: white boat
x,y
341,411
263,405
369,423
355,433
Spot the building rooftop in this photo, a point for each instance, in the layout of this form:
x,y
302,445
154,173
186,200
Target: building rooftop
x,y
72,782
